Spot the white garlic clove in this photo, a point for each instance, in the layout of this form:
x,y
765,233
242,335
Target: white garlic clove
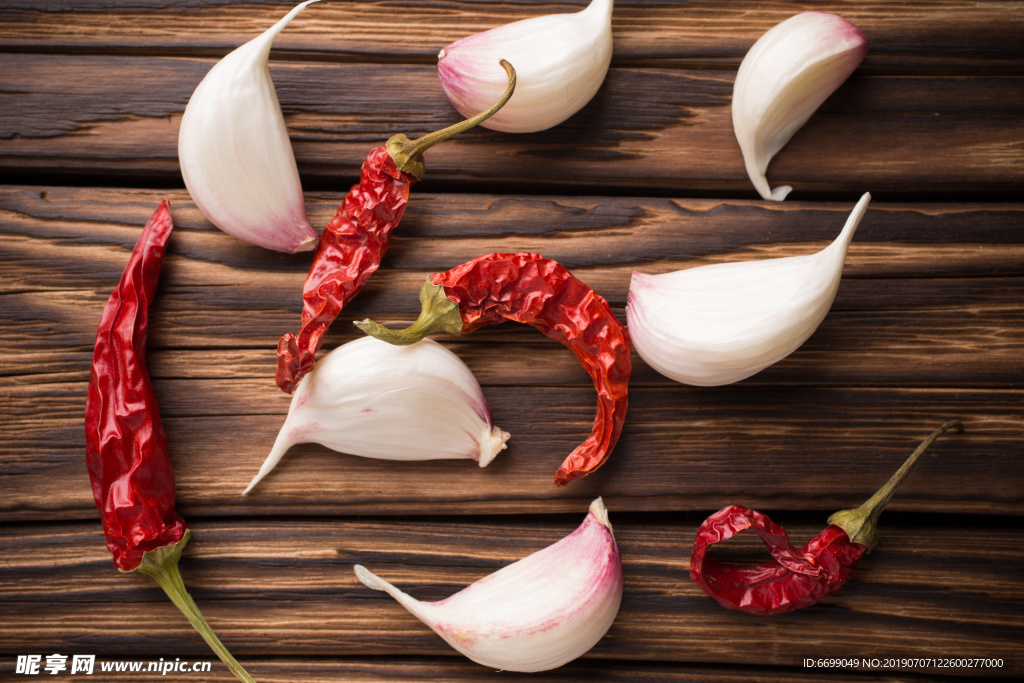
x,y
788,73
718,324
235,154
536,614
560,59
376,400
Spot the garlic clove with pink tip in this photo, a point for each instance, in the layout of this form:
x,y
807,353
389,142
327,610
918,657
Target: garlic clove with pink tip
x,y
788,73
536,614
376,400
235,154
561,61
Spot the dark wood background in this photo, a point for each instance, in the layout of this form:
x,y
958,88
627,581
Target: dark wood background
x,y
927,326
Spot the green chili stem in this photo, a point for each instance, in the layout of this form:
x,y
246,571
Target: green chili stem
x,y
162,565
859,523
437,313
408,154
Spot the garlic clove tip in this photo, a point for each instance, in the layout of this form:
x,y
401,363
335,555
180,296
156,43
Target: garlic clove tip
x,y
599,511
495,443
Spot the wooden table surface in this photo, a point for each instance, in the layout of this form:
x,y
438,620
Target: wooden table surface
x,y
927,326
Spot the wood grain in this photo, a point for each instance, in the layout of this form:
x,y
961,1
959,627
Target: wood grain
x,y
255,580
679,452
912,341
928,324
112,115
921,34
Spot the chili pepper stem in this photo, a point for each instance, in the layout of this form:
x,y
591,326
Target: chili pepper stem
x,y
859,523
437,313
408,154
162,565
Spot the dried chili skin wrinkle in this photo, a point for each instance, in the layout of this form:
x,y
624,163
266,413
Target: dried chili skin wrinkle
x,y
531,289
349,251
125,446
353,243
794,578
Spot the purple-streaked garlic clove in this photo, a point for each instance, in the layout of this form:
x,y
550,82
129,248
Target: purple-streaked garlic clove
x,y
536,614
560,59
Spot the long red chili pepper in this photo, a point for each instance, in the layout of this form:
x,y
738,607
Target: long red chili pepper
x,y
531,289
795,578
352,244
125,446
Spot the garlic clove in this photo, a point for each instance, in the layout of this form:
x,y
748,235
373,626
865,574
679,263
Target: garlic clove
x,y
536,614
376,400
235,154
718,324
788,73
561,61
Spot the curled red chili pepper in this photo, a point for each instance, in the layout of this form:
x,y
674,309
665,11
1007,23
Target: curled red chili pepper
x,y
531,289
352,244
125,446
795,578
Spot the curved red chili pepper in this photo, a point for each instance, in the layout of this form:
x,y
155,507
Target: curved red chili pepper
x,y
537,291
353,243
125,445
795,578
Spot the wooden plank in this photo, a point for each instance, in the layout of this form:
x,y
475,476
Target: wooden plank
x,y
117,115
201,336
269,592
970,349
912,33
919,239
964,347
56,236
680,450
934,276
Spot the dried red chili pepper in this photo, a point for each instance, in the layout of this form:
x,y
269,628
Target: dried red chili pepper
x,y
125,445
796,578
531,289
352,244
